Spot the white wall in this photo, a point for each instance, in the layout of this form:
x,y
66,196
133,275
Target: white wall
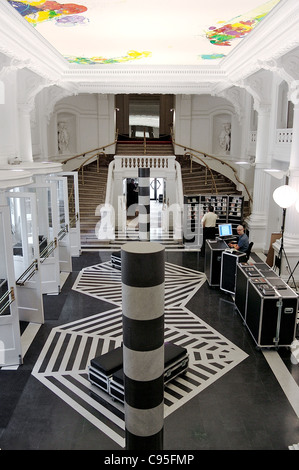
x,y
89,120
198,122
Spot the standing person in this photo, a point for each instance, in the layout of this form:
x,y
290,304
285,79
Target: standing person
x,y
209,224
131,192
243,241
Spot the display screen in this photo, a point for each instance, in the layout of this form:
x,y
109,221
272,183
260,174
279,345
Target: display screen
x,y
225,230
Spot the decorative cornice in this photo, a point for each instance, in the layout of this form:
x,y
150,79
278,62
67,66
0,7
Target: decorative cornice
x,y
274,37
20,41
233,95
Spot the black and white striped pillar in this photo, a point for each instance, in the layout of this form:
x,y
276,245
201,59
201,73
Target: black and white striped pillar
x,y
143,266
144,203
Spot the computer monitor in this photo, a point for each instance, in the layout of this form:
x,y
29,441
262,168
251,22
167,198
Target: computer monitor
x,y
225,230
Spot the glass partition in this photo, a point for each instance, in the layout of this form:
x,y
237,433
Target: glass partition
x,y
46,239
5,294
10,339
22,229
62,215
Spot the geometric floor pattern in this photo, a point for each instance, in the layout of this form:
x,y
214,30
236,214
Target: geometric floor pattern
x,y
63,363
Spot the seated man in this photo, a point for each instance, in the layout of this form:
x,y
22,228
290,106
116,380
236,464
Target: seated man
x,y
243,241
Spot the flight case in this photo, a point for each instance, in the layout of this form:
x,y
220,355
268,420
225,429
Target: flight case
x,y
101,368
176,362
244,273
106,371
271,313
229,262
212,264
116,260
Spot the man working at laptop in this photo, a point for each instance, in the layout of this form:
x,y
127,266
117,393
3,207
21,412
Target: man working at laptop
x,y
243,241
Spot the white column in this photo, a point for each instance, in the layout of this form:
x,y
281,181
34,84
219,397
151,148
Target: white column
x,y
25,142
106,115
292,216
183,122
257,222
9,137
291,232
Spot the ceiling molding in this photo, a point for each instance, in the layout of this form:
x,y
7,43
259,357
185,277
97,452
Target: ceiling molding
x,y
275,36
20,41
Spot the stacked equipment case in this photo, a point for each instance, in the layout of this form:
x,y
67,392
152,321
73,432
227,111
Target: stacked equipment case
x,y
229,262
101,368
116,260
267,305
106,371
212,264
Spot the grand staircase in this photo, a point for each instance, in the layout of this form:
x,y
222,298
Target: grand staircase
x,y
138,147
92,192
200,181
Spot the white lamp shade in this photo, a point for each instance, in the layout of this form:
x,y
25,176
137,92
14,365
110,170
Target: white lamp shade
x,y
285,196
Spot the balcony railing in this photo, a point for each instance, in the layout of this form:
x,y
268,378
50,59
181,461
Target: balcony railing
x,y
284,136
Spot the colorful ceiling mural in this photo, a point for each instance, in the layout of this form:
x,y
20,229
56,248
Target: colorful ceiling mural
x,y
156,33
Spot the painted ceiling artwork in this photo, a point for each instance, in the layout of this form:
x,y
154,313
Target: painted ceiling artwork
x,y
193,32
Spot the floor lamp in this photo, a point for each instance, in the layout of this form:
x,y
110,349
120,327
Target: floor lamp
x,y
284,196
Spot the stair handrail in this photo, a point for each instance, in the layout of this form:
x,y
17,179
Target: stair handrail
x,y
207,168
93,150
98,152
81,167
223,162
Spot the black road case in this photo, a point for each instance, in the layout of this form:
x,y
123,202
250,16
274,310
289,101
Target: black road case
x,y
229,261
212,265
271,313
176,360
101,368
244,273
116,260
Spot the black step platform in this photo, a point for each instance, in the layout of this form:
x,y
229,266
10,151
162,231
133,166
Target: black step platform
x,y
106,371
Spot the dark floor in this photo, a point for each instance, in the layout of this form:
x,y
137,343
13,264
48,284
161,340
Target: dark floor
x,y
245,409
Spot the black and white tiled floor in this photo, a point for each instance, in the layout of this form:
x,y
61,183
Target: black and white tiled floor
x,y
232,397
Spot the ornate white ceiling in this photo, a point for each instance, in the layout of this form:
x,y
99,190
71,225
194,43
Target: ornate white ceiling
x,y
193,32
129,46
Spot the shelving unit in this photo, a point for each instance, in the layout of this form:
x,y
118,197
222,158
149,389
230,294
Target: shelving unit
x,y
192,215
235,211
220,206
228,208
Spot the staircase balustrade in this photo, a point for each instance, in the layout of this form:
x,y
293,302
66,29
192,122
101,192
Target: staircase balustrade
x,y
128,162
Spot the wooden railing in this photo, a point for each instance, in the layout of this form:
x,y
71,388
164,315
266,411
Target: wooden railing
x,y
98,152
192,155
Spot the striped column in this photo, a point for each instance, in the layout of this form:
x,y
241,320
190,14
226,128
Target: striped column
x,y
144,203
143,266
